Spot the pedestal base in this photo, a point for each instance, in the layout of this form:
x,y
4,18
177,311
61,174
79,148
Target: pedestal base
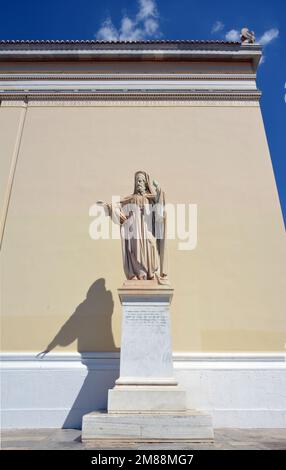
x,y
186,426
138,398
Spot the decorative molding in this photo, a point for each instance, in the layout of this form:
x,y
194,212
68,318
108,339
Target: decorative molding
x,y
111,360
13,103
56,356
231,356
106,361
96,86
217,95
143,103
131,76
196,52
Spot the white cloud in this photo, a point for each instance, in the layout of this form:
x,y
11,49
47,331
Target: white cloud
x,y
266,39
217,26
144,25
107,31
128,30
151,26
268,36
232,35
147,8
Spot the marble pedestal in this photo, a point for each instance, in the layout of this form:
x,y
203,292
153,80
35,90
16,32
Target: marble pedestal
x,y
146,367
146,400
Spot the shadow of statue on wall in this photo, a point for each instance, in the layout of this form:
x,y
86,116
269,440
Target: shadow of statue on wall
x,y
90,325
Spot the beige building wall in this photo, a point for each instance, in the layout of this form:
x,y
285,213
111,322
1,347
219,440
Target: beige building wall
x,y
230,291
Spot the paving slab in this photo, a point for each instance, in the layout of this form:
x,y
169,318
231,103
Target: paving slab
x,y
70,439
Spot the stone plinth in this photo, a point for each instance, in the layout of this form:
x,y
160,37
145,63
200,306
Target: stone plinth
x,y
146,403
185,426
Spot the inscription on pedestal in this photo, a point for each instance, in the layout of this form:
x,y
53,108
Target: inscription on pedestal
x,y
147,317
146,341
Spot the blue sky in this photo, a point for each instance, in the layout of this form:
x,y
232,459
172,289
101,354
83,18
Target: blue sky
x,y
171,19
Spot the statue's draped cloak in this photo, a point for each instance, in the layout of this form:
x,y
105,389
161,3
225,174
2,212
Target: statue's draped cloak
x,y
143,233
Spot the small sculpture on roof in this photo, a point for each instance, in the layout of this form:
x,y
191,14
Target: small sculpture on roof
x,y
247,36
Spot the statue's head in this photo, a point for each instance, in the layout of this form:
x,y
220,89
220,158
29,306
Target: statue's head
x,y
140,182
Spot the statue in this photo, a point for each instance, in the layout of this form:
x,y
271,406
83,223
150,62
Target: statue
x,y
247,36
142,219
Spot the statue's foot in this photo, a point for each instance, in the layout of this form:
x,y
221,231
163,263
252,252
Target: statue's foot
x,y
163,280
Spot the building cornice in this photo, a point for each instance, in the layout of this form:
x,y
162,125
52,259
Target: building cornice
x,y
123,83
129,51
228,80
135,95
124,76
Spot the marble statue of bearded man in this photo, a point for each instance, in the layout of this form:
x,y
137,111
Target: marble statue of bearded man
x,y
142,219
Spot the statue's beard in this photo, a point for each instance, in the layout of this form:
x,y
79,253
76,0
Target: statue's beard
x,y
141,188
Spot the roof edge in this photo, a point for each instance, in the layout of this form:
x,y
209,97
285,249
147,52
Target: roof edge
x,y
96,41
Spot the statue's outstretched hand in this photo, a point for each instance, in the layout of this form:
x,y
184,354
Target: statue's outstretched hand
x,y
101,203
105,205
